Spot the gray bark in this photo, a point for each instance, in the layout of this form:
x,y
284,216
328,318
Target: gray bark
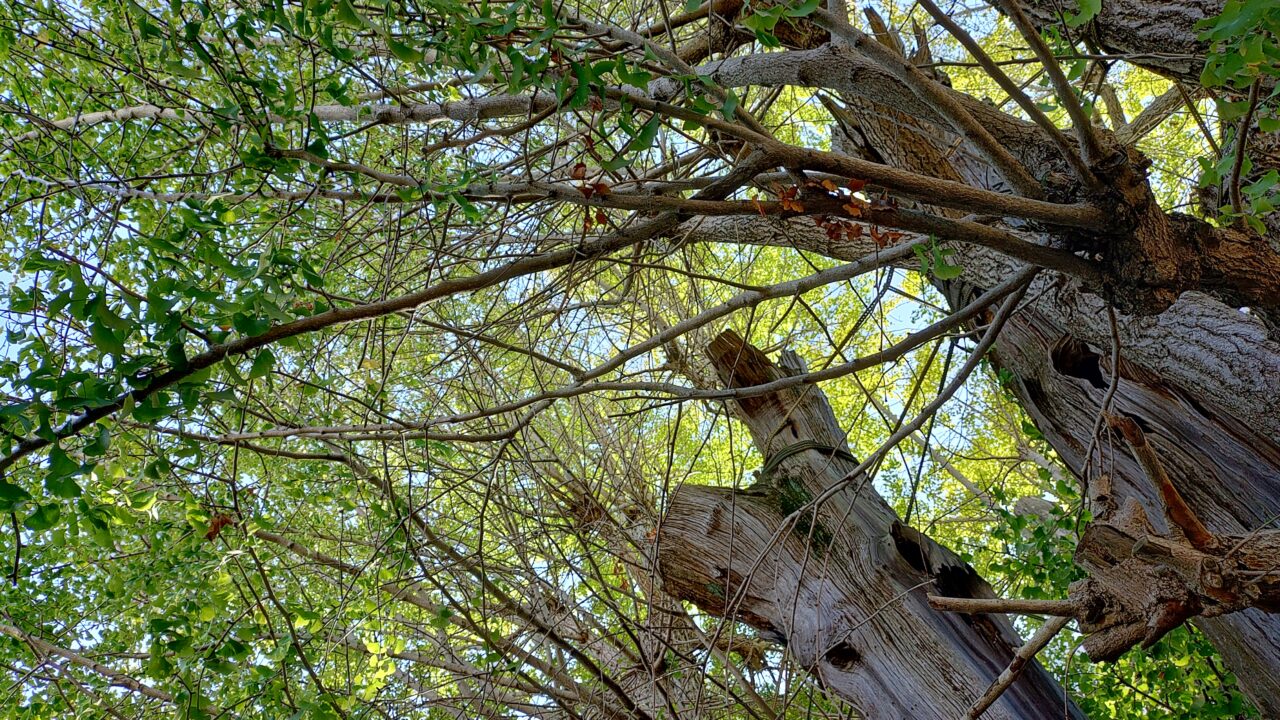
x,y
1159,36
845,589
1200,378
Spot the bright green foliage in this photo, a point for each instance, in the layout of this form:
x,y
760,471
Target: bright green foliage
x,y
1246,59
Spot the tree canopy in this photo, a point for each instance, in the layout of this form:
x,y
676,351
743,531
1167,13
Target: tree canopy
x,y
367,358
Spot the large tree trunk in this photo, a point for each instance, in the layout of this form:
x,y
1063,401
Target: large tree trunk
x,y
1206,393
1227,468
1200,378
1160,36
845,590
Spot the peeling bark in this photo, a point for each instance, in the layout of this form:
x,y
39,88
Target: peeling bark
x,y
1200,379
1228,469
1197,374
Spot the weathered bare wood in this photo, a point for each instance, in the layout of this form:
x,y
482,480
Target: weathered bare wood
x,y
1199,378
1228,467
1021,659
1143,583
845,587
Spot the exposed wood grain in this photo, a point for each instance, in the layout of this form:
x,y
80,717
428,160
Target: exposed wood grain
x,y
846,587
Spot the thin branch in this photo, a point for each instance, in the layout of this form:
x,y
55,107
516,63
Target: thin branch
x,y
1021,659
44,647
15,575
1152,116
1086,133
1015,92
1176,511
382,114
1190,100
986,606
1242,146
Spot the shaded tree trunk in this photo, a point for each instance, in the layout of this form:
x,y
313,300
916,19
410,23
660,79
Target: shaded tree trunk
x,y
1200,379
1159,36
845,589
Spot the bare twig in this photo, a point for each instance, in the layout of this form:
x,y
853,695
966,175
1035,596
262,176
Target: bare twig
x,y
1021,659
43,647
983,606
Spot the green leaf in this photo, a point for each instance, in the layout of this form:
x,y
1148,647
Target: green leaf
x,y
105,338
1089,9
142,501
761,23
1031,431
63,487
730,106
250,325
12,496
262,363
648,134
807,7
403,51
348,15
100,444
943,271
60,465
44,518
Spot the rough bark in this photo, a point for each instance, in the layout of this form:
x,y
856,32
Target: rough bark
x,y
1143,583
1227,468
1160,36
845,589
1199,379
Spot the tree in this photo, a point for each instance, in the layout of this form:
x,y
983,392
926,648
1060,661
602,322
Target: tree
x,y
407,358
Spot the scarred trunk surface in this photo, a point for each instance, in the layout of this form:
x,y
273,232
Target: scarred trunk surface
x,y
1201,379
1228,471
846,591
